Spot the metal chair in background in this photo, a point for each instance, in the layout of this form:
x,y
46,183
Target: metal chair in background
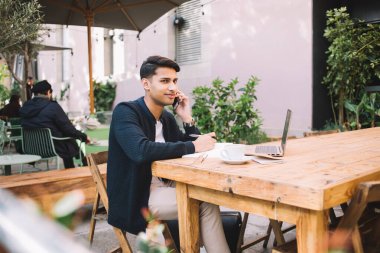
x,y
39,141
3,136
15,135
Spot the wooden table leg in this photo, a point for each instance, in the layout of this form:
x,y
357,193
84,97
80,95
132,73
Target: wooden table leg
x,y
312,231
188,219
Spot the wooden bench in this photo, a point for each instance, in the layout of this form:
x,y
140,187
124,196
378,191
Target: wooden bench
x,y
49,186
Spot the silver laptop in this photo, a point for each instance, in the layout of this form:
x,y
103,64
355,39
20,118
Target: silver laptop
x,y
276,150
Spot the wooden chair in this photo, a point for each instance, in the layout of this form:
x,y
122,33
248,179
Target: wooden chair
x,y
94,160
351,223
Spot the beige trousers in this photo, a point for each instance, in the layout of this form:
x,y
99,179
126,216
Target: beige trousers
x,y
163,204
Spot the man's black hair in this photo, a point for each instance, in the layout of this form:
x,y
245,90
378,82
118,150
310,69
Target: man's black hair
x,y
42,87
149,66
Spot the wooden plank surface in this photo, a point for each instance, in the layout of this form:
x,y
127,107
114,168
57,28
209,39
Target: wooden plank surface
x,y
49,186
318,172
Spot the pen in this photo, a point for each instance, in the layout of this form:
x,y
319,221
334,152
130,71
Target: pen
x,y
197,135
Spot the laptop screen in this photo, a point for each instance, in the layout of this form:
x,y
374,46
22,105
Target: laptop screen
x,y
286,128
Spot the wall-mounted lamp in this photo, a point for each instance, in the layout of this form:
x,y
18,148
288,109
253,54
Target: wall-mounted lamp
x,y
178,21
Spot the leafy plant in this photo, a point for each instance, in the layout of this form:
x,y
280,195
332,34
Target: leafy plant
x,y
4,92
364,112
148,242
228,112
21,24
4,73
104,95
64,92
353,58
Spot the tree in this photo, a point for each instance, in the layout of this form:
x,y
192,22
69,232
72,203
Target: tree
x,y
353,58
21,24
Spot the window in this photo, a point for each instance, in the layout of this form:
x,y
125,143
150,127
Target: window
x,y
188,36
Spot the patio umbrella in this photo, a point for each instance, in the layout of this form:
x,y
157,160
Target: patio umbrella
x,y
121,14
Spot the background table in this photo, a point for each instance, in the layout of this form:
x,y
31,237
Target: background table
x,y
318,173
8,160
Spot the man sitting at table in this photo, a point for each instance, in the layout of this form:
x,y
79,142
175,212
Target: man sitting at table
x,y
42,112
142,132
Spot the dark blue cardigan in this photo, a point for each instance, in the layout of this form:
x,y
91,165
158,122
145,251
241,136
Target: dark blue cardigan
x,y
132,149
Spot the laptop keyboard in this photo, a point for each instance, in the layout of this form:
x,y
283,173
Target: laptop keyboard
x,y
266,150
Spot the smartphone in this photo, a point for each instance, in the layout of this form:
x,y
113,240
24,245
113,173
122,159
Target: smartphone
x,y
175,103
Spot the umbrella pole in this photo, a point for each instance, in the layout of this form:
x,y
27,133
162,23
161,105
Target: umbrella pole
x,y
90,20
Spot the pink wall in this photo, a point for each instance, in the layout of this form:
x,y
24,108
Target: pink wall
x,y
268,39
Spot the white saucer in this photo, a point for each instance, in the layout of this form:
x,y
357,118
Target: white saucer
x,y
240,161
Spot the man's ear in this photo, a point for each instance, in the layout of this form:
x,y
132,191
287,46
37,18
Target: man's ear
x,y
146,84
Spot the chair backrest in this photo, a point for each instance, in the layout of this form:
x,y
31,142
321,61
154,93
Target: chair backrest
x,y
15,121
38,141
93,160
2,135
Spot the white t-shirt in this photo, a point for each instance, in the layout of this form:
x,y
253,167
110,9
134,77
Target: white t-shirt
x,y
156,182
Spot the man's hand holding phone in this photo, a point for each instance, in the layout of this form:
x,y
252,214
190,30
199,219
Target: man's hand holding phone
x,y
181,106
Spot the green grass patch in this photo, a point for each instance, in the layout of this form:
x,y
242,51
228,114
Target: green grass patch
x,y
98,134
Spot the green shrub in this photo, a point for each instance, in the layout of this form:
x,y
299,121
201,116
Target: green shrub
x,y
4,92
104,95
353,61
229,112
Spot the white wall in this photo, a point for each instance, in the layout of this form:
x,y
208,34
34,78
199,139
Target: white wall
x,y
268,39
63,67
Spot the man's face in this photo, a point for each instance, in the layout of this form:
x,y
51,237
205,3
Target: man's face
x,y
161,88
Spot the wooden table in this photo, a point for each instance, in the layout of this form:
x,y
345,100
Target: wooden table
x,y
319,173
47,187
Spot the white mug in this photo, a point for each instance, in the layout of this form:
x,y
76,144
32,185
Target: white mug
x,y
233,152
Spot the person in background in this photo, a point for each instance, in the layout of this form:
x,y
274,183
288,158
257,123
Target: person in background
x,y
29,87
141,132
42,112
11,110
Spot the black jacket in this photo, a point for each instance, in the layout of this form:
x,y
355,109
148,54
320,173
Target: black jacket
x,y
11,110
40,112
132,149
